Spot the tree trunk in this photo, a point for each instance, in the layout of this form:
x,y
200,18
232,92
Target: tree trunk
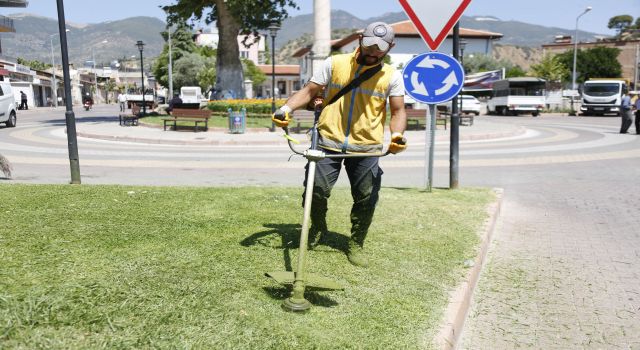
x,y
229,68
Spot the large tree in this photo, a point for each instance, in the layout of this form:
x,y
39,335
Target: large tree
x,y
181,45
551,69
232,18
620,23
597,62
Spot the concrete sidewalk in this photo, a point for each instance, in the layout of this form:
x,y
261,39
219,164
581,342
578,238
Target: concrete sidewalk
x,y
144,133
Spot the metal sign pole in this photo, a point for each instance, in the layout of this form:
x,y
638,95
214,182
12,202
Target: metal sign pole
x,y
455,122
430,131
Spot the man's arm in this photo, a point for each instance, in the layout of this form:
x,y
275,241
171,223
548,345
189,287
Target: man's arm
x,y
398,116
302,97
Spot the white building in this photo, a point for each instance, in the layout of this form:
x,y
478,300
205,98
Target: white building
x,y
409,43
254,53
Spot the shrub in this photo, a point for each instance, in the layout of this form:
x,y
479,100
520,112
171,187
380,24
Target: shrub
x,y
253,106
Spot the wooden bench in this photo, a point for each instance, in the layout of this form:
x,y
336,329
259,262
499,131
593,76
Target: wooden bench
x,y
130,119
415,116
197,116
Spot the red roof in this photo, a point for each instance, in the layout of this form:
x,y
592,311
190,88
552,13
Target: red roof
x,y
281,69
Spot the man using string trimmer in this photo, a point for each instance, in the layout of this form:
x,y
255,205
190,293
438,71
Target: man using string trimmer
x,y
356,86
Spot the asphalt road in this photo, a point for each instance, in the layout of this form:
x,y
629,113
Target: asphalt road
x,y
562,270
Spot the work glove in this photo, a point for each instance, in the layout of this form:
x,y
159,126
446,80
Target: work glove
x,y
398,143
282,116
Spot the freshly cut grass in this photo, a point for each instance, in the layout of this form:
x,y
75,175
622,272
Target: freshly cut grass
x,y
160,267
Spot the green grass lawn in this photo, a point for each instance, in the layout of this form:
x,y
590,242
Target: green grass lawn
x,y
163,267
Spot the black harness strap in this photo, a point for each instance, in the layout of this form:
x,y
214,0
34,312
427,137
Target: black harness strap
x,y
355,83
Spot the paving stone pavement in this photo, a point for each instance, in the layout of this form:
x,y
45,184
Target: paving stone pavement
x,y
563,268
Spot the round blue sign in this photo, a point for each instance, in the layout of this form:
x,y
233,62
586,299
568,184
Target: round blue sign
x,y
433,77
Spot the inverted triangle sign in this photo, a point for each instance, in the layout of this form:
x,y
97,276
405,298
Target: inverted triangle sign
x,y
434,18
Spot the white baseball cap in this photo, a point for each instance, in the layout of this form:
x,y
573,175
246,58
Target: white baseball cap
x,y
378,33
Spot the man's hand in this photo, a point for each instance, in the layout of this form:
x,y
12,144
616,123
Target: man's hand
x,y
282,116
398,143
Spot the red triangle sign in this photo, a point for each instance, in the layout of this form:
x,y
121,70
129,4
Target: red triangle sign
x,y
434,18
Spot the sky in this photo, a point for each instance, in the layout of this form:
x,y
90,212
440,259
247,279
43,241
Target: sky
x,y
550,13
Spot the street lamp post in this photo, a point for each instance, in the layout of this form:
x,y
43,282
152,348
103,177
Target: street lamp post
x,y
140,46
54,83
462,43
273,30
170,69
575,55
95,74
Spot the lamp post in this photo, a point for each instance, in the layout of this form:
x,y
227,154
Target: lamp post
x,y
273,30
575,55
95,74
140,46
170,68
54,83
462,43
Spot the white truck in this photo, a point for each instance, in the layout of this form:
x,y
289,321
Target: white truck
x,y
191,94
135,97
602,96
513,96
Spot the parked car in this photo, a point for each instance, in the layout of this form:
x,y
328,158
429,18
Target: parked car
x,y
466,104
7,105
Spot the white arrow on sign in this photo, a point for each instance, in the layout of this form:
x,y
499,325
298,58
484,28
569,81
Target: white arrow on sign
x,y
448,82
429,62
434,18
418,87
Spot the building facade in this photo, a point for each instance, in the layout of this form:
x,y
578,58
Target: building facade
x,y
629,54
408,42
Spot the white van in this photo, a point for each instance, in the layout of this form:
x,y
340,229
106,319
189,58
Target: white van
x,y
7,105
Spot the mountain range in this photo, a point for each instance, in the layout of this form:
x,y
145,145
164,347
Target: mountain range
x,y
115,40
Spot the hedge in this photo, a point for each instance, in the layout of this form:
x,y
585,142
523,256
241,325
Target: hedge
x,y
253,106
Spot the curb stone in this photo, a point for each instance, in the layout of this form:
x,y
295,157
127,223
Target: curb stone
x,y
460,298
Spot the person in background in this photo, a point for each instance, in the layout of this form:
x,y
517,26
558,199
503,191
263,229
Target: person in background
x,y
636,106
626,113
23,101
122,100
176,100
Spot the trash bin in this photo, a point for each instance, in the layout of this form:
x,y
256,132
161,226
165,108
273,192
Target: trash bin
x,y
237,121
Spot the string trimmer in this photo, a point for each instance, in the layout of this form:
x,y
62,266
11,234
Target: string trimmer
x,y
300,279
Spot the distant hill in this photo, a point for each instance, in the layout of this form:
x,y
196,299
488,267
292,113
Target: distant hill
x,y
515,33
32,39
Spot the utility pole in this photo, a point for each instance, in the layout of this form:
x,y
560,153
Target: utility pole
x,y
322,32
170,69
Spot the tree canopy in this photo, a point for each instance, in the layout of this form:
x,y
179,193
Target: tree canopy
x,y
550,69
597,62
181,45
232,18
620,23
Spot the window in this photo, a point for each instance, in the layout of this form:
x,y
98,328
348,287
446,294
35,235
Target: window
x,y
282,88
244,54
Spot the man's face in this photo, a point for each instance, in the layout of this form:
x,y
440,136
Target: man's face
x,y
371,55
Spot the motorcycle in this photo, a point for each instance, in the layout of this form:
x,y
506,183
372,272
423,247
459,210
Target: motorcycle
x,y
87,105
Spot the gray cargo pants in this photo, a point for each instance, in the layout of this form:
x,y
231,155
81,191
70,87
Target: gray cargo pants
x,y
365,177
